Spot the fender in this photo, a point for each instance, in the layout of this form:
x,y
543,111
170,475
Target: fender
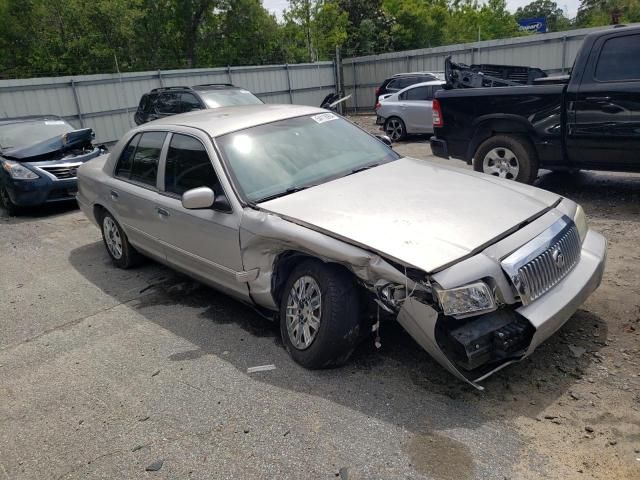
x,y
485,126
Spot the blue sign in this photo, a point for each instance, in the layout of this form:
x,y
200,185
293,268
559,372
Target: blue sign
x,y
533,25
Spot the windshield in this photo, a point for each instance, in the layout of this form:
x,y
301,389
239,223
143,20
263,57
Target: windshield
x,y
229,98
23,134
277,158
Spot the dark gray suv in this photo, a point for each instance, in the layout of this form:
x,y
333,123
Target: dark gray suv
x,y
163,102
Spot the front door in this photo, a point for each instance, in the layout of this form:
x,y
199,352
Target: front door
x,y
203,242
602,116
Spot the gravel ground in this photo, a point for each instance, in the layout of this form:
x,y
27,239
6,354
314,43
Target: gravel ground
x,y
105,373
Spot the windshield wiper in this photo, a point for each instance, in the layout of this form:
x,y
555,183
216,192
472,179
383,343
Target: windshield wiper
x,y
362,169
288,191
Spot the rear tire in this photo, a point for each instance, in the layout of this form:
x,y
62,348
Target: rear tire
x,y
395,129
507,156
6,203
319,315
117,244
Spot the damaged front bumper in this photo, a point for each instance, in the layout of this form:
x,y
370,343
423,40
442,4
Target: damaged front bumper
x,y
473,349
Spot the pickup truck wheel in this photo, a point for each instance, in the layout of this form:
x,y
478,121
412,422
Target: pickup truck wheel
x,y
395,129
6,203
510,157
319,315
117,244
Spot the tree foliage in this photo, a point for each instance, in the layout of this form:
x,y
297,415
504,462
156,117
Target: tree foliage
x,y
71,37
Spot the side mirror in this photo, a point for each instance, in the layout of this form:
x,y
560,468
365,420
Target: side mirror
x,y
384,139
203,197
196,198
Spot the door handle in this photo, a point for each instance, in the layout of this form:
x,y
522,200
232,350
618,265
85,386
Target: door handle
x,y
162,212
598,99
114,195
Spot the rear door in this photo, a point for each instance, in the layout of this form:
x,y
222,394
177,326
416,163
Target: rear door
x,y
134,191
204,242
603,117
416,105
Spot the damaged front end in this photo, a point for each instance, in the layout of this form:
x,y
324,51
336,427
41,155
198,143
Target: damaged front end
x,y
474,316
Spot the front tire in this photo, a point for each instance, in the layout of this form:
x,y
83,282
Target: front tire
x,y
319,315
117,244
395,129
507,156
6,203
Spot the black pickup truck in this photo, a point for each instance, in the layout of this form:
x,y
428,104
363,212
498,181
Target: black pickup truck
x,y
589,119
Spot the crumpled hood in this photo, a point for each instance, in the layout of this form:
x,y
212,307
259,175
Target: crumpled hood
x,y
415,211
59,143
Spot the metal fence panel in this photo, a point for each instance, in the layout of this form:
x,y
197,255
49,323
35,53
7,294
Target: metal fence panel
x,y
107,102
554,52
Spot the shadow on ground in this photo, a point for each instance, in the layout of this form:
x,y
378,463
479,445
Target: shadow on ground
x,y
399,383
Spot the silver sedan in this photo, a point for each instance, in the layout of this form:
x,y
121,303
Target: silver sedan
x,y
408,111
327,230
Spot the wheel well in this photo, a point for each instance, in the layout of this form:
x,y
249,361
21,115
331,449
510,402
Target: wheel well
x,y
284,265
494,127
98,211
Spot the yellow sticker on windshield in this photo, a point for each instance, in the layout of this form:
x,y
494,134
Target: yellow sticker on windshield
x,y
324,117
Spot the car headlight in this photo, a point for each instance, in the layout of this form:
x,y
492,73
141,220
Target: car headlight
x,y
18,171
580,219
467,300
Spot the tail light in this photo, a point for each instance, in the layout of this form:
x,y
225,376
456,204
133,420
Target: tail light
x,y
438,119
378,105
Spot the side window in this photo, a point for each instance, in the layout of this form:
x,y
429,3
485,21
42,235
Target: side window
x,y
144,168
418,93
616,59
123,168
168,103
188,166
189,102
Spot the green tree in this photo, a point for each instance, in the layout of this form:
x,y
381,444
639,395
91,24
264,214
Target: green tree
x,y
556,19
593,13
416,23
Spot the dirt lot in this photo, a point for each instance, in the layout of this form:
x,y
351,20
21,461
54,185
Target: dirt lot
x,y
104,372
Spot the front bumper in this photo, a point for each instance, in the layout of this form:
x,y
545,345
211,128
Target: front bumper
x,y
545,315
27,193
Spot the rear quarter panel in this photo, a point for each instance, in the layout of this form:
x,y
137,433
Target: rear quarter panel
x,y
473,115
92,185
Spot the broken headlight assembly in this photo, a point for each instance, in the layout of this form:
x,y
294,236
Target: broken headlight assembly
x,y
17,171
472,299
580,219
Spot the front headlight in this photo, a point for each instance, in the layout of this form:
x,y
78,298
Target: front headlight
x,y
580,219
18,171
468,300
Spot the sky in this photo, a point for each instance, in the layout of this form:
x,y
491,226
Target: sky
x,y
570,7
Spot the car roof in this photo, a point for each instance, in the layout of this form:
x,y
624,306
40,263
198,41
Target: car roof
x,y
29,118
219,121
423,84
206,86
412,74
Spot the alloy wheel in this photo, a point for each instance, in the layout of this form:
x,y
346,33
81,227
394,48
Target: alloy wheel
x,y
501,162
394,129
304,312
112,237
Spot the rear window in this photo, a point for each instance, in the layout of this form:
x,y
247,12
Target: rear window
x,y
619,59
229,98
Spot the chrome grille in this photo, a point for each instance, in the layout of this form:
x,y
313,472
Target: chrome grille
x,y
62,171
541,264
